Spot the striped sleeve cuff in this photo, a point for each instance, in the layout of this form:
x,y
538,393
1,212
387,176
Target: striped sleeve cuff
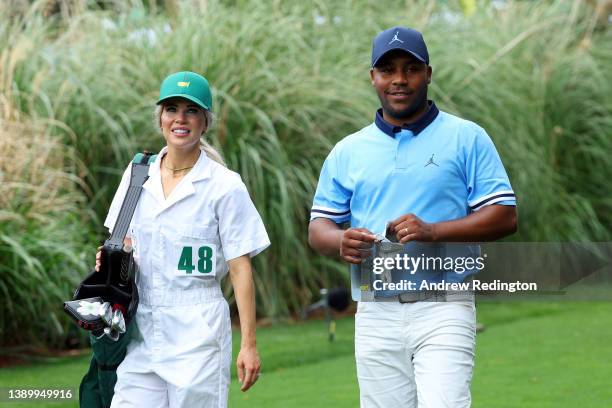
x,y
493,198
334,214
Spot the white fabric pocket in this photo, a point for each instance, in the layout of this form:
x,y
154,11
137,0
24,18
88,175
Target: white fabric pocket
x,y
195,251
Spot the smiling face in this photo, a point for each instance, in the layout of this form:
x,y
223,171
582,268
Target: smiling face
x,y
182,123
401,83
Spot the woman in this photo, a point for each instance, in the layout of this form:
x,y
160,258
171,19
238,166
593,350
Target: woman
x,y
194,221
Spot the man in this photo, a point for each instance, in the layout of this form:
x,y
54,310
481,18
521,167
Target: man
x,y
418,174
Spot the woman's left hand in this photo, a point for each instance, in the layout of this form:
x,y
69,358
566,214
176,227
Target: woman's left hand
x,y
248,365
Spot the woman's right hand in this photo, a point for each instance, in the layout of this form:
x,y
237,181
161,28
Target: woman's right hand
x,y
98,259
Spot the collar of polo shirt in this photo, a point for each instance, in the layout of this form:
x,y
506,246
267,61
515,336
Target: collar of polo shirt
x,y
416,127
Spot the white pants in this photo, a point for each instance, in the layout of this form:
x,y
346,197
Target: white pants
x,y
180,357
413,355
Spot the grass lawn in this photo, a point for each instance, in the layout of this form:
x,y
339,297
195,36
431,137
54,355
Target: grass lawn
x,y
544,355
530,355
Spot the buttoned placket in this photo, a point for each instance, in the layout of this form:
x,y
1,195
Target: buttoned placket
x,y
154,186
157,258
403,139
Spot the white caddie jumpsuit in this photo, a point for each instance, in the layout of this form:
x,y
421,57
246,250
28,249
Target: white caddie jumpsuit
x,y
181,352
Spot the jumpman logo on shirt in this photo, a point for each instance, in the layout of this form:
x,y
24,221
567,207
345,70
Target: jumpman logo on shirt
x,y
431,161
395,38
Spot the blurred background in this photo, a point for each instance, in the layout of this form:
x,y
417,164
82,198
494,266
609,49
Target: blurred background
x,y
79,81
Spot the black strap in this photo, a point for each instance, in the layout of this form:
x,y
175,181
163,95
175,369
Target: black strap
x,y
140,174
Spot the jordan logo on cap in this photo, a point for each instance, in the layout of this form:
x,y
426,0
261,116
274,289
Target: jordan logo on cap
x,y
395,38
183,84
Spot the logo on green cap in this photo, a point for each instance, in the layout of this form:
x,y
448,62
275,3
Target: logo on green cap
x,y
188,85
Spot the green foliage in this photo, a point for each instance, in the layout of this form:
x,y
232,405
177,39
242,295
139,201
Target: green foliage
x,y
533,77
43,234
44,224
289,80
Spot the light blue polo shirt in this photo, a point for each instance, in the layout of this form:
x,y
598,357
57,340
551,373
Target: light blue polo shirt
x,y
440,168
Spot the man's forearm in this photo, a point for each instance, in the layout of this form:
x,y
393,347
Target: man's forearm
x,y
488,224
325,236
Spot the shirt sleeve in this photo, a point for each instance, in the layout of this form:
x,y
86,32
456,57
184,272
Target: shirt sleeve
x,y
332,199
240,226
115,207
487,179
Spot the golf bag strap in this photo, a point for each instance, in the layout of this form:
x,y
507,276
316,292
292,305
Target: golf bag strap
x,y
139,175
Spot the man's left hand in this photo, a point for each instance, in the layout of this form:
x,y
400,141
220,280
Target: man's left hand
x,y
409,227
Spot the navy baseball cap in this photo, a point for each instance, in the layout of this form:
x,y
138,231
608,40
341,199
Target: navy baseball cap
x,y
399,38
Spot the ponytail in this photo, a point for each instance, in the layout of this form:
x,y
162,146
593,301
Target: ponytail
x,y
210,151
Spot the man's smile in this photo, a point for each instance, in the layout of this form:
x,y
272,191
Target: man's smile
x,y
398,95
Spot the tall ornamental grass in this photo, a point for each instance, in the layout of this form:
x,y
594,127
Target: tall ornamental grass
x,y
44,219
291,78
534,76
43,234
44,225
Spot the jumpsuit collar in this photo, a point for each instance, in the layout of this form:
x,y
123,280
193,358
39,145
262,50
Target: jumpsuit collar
x,y
185,188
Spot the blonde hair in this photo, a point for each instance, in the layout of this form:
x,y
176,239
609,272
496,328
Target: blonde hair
x,y
210,151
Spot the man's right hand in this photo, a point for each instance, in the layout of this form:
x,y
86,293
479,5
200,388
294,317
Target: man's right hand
x,y
356,243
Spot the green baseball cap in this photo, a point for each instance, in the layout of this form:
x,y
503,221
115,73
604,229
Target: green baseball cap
x,y
188,85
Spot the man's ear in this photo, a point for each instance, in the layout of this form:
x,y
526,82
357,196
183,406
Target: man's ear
x,y
429,72
372,76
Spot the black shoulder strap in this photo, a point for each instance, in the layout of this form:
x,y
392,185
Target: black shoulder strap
x,y
140,174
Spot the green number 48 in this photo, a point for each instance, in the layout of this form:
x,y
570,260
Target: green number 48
x,y
205,260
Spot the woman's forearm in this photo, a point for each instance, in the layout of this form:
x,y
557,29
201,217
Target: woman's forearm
x,y
241,276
